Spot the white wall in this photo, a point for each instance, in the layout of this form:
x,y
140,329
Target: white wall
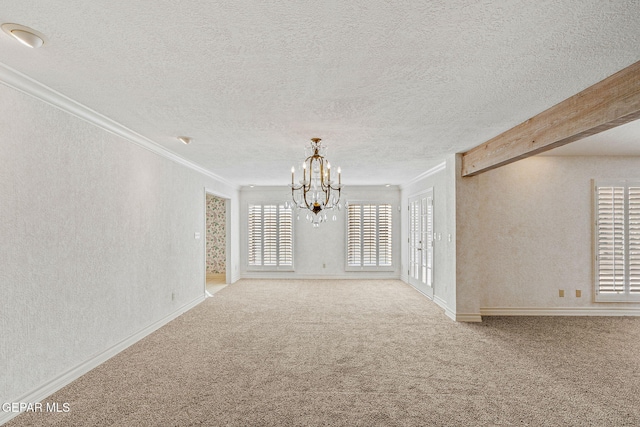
x,y
321,252
529,234
442,180
97,242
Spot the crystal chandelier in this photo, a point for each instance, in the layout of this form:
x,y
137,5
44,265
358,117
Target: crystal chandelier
x,y
316,192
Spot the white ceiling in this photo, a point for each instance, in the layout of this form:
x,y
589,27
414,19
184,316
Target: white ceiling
x,y
620,141
391,87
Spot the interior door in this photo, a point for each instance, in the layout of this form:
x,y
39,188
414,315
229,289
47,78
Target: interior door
x,y
421,242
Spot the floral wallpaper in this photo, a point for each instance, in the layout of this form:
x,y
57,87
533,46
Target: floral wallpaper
x,y
216,235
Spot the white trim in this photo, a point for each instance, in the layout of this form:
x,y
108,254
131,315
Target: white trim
x,y
55,384
29,86
430,297
227,219
216,193
450,314
442,303
417,197
292,275
467,317
437,168
560,311
235,276
363,268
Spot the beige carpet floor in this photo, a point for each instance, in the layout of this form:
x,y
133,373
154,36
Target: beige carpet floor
x,y
359,353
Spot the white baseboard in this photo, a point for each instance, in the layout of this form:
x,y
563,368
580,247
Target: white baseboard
x,y
442,303
55,384
421,292
467,317
560,311
235,277
294,276
451,314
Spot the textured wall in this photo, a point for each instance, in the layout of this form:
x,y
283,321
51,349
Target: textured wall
x,y
320,252
529,232
97,240
216,235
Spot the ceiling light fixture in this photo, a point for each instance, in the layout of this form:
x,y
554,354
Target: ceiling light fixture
x,y
184,139
316,192
25,35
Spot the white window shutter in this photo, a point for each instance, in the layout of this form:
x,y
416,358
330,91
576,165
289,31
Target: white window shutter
x,y
270,236
634,239
384,235
354,235
285,236
610,239
617,235
255,235
369,235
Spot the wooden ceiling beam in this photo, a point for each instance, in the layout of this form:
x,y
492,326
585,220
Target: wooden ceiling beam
x,y
612,102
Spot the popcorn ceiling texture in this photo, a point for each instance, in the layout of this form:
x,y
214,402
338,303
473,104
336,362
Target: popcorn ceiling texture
x,y
391,87
216,235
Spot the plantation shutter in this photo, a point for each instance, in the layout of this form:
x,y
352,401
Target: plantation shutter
x,y
270,236
270,233
369,235
384,235
285,241
634,240
617,242
428,240
354,235
255,235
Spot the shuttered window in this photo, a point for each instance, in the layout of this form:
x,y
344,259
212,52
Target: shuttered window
x,y
617,241
270,234
369,236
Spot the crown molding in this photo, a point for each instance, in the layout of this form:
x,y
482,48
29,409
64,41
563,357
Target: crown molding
x,y
437,168
29,86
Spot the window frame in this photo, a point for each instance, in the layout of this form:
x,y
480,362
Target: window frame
x,y
279,207
391,247
630,247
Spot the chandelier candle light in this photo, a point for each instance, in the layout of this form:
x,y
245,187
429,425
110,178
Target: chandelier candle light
x,y
317,192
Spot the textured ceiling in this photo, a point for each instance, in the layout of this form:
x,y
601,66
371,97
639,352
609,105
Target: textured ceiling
x,y
391,87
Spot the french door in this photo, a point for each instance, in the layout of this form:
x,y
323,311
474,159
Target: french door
x,y
421,242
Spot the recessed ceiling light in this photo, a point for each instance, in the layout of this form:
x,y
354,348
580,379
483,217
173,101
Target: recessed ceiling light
x,y
25,35
184,139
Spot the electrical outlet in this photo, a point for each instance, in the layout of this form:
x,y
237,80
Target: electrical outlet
x,y
578,293
324,265
561,293
173,296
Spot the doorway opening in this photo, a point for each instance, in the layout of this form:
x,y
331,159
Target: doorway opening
x,y
216,243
